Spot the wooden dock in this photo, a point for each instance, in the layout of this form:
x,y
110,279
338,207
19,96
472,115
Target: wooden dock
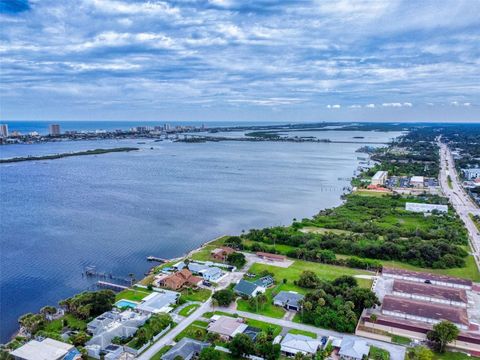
x,y
154,258
111,286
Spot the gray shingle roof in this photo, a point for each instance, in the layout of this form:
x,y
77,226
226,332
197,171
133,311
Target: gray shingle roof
x,y
185,348
245,287
287,297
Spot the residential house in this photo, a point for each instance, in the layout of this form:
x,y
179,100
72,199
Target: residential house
x,y
227,327
196,268
246,288
289,300
265,281
47,349
222,253
179,266
296,343
353,348
158,302
185,349
211,274
179,279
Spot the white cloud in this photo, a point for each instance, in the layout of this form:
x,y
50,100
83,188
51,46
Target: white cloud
x,y
355,106
335,106
467,104
392,105
407,104
370,106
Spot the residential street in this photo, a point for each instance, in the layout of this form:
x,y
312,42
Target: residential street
x,y
462,203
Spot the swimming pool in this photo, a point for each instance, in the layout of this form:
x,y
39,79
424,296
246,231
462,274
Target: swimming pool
x,y
126,303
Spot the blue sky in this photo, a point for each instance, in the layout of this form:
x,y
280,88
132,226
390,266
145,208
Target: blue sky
x,y
240,60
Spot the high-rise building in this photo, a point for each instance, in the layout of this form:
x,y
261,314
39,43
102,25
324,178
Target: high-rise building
x,y
3,130
54,129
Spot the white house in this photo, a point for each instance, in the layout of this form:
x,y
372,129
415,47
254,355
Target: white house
x,y
296,343
211,273
353,348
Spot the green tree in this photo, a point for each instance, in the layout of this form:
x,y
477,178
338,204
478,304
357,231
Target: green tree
x,y
419,353
443,333
32,322
79,339
241,345
265,348
210,353
224,297
236,259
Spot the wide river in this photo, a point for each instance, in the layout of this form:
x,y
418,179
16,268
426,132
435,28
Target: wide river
x,y
114,210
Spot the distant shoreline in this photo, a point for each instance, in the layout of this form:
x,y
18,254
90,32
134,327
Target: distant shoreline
x,y
63,155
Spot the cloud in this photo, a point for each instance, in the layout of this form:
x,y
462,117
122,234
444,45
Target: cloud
x,y
138,56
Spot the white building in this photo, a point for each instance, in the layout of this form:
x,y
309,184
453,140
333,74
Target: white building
x,y
471,174
417,182
158,302
3,130
296,343
352,348
425,208
379,178
47,349
211,273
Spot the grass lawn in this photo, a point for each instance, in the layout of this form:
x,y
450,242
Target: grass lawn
x,y
450,355
187,310
470,271
267,309
158,355
277,329
209,314
372,193
196,295
320,230
303,332
133,294
200,323
475,221
324,271
72,322
402,340
204,253
377,353
192,331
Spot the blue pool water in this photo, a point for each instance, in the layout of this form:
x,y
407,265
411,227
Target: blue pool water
x,y
125,303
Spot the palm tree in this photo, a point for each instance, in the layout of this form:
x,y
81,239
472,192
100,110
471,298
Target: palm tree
x,y
373,319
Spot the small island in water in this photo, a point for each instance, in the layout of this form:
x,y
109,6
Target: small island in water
x,y
63,155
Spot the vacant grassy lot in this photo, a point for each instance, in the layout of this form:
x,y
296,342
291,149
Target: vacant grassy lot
x,y
196,295
450,355
323,271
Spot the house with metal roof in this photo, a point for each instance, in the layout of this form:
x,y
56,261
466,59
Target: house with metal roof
x,y
296,343
248,289
211,274
158,302
289,300
185,349
352,348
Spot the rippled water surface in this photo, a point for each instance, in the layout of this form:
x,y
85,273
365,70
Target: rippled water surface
x,y
114,210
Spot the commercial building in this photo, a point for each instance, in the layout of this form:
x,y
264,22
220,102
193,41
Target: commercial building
x,y
54,129
296,343
425,208
47,349
430,293
289,300
424,312
271,257
470,174
417,182
185,349
379,178
3,130
435,279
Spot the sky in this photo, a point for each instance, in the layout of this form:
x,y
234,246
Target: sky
x,y
252,60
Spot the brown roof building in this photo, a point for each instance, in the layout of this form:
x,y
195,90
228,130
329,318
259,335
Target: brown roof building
x,y
271,257
222,253
430,293
435,279
424,312
179,279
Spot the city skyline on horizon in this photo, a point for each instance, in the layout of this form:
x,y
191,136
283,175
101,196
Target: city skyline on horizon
x,y
240,61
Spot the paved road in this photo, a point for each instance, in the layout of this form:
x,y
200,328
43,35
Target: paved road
x,y
462,203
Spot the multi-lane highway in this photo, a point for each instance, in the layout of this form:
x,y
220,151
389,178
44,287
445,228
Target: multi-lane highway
x,y
460,200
